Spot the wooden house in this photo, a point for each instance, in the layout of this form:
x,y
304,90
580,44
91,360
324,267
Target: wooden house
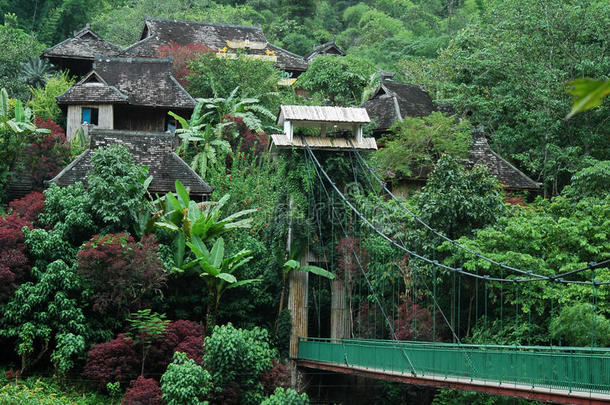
x,y
152,149
329,48
126,94
394,100
227,39
76,54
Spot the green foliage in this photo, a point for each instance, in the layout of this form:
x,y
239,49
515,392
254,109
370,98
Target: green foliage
x,y
17,47
45,314
509,68
48,391
456,201
67,211
592,181
241,356
185,382
288,396
116,188
43,102
588,93
217,77
340,80
414,145
580,325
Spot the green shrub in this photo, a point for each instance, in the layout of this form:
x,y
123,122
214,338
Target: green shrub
x,y
286,397
239,356
185,382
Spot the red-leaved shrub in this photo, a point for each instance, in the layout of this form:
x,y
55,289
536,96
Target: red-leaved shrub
x,y
29,206
14,263
180,336
182,55
143,391
249,141
120,271
46,154
276,376
230,395
112,361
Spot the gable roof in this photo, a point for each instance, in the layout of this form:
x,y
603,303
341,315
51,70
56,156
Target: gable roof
x,y
159,31
152,149
508,175
137,81
329,48
85,44
394,100
322,114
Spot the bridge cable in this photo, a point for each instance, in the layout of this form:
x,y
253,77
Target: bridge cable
x,y
590,266
393,333
359,214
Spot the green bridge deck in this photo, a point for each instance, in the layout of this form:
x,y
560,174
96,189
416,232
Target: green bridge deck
x,y
558,368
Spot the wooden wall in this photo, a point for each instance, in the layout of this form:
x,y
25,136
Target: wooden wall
x,y
105,118
140,118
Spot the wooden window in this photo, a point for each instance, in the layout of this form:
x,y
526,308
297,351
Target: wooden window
x,y
90,115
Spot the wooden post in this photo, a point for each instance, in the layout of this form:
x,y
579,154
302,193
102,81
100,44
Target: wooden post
x,y
297,304
338,313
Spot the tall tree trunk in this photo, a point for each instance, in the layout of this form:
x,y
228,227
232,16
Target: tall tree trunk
x,y
338,313
297,304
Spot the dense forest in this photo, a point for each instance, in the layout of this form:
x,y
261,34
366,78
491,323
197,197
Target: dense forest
x,y
109,294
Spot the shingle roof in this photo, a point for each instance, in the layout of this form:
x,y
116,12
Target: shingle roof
x,y
510,177
322,114
329,48
85,44
152,149
394,100
158,32
137,81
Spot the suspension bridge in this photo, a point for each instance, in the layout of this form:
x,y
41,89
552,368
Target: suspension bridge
x,y
374,334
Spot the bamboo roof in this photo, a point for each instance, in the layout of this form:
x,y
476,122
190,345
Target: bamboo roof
x,y
323,114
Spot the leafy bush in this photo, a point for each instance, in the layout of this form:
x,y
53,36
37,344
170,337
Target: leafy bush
x,y
180,336
120,272
47,391
143,391
288,396
593,181
116,190
182,56
43,102
67,211
112,361
240,356
46,314
579,325
185,382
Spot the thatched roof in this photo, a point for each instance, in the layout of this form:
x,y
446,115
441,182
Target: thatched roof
x,y
85,44
322,114
151,149
508,175
136,81
394,100
158,32
329,48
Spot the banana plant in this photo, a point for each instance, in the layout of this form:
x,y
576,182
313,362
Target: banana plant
x,y
187,219
21,121
207,140
217,270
